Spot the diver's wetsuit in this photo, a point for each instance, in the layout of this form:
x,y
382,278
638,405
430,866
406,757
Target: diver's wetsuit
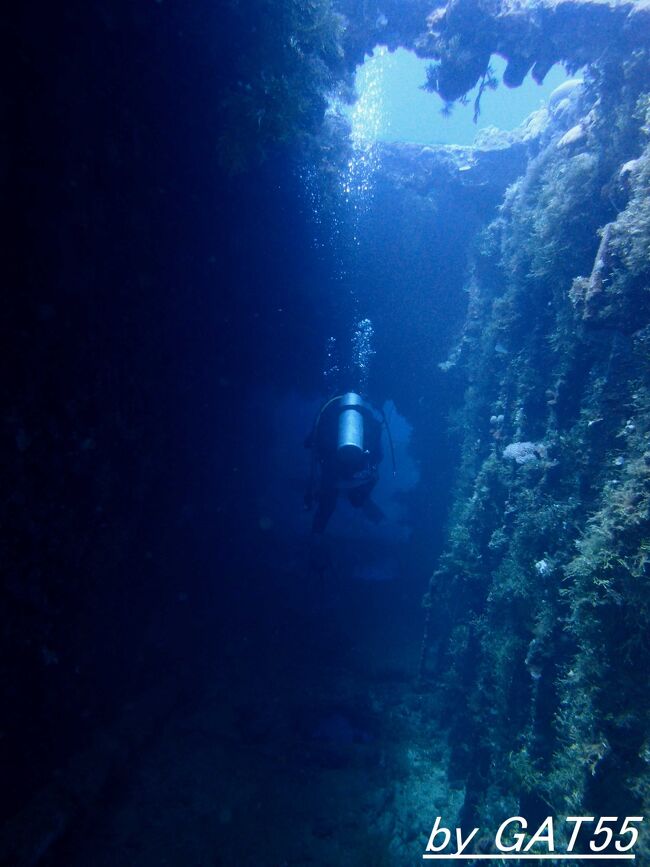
x,y
332,475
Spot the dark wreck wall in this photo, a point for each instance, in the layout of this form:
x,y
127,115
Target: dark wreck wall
x,y
145,279
539,610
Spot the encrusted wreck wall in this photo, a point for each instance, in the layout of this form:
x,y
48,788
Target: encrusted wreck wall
x,y
539,610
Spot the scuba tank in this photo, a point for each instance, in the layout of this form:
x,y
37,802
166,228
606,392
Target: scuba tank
x,y
345,416
350,444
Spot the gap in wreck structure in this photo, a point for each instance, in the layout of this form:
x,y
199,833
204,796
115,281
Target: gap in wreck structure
x,y
410,114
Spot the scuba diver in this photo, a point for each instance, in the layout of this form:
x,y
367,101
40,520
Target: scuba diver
x,y
346,453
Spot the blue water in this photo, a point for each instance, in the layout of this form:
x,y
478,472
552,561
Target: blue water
x,y
410,114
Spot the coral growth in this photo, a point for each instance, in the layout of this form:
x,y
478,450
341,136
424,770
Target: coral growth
x,y
547,566
278,92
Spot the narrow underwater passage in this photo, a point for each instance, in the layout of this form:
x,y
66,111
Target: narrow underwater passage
x,y
327,470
